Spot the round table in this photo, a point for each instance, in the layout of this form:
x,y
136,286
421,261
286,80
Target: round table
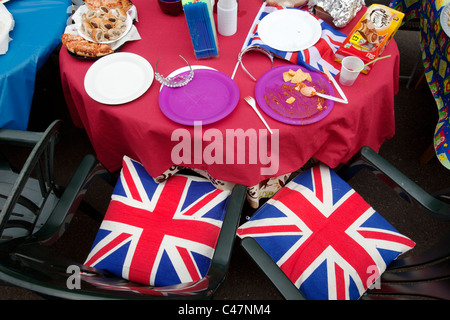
x,y
141,131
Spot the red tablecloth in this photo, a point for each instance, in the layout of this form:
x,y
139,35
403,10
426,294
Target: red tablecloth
x,y
140,130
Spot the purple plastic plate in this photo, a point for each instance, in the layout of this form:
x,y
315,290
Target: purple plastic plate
x,y
209,97
271,93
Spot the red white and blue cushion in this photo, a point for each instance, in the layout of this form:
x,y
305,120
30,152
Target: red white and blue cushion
x,y
325,237
159,234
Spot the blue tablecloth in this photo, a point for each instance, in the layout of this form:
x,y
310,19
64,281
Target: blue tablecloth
x,y
39,25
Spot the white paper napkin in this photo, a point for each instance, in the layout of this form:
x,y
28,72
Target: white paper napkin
x,y
6,25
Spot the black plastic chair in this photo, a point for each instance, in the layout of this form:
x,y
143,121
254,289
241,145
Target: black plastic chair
x,y
28,263
424,276
33,208
31,202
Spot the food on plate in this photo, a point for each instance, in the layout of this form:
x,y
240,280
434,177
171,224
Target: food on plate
x,y
104,24
287,76
306,90
105,5
290,100
295,97
296,76
103,21
97,35
113,34
86,28
82,47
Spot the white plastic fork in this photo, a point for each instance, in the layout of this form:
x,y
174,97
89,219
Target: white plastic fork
x,y
251,101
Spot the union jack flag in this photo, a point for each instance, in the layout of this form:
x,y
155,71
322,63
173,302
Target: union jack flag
x,y
325,237
159,234
316,57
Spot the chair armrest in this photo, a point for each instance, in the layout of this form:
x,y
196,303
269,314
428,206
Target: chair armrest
x,y
26,138
283,284
19,138
409,190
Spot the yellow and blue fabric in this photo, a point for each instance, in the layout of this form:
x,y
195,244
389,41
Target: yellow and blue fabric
x,y
435,46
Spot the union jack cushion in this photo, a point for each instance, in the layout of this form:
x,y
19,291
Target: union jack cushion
x,y
159,234
325,237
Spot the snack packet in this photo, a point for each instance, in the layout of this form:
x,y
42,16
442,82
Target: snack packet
x,y
371,34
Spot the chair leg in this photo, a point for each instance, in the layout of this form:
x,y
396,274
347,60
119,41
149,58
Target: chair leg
x,y
420,82
428,154
411,76
4,164
88,209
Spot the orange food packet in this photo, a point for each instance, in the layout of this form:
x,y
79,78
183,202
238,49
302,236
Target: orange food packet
x,y
371,34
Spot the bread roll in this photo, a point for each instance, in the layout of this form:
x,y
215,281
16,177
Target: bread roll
x,y
114,34
122,26
97,35
110,17
90,14
119,15
104,9
96,22
106,25
86,28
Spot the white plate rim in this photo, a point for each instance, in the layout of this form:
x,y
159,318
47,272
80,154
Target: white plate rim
x,y
106,61
264,30
128,22
444,20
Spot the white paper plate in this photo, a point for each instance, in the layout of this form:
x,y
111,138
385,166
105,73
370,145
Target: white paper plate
x,y
444,20
118,78
289,30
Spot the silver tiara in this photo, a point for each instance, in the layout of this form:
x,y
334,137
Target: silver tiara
x,y
177,80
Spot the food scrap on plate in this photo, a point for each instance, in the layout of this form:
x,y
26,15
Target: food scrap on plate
x,y
297,78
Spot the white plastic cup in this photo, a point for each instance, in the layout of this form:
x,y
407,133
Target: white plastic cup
x,y
227,17
348,75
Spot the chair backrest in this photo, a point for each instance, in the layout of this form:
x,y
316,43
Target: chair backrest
x,y
31,194
435,205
